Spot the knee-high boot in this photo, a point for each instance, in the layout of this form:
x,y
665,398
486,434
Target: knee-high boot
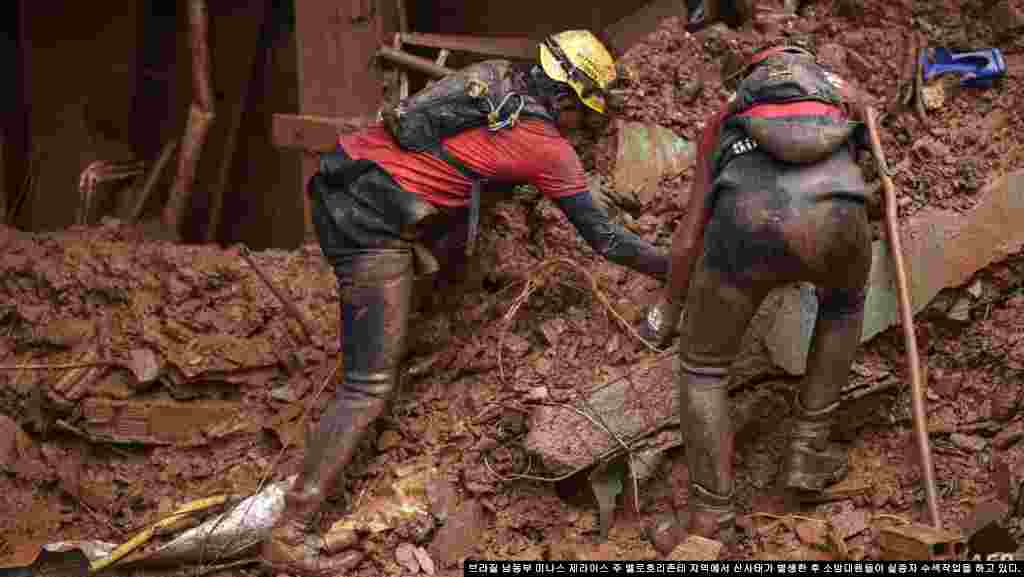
x,y
813,461
376,290
704,403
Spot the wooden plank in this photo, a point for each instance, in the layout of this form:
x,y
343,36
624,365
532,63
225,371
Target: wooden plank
x,y
311,133
520,47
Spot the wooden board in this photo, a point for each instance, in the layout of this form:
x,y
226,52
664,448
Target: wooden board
x,y
311,133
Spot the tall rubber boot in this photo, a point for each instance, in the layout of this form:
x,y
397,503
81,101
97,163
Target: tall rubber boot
x,y
710,451
709,440
376,290
813,462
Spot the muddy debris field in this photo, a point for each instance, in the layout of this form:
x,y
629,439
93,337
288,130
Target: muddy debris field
x,y
172,373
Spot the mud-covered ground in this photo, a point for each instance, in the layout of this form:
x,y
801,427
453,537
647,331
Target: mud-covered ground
x,y
226,375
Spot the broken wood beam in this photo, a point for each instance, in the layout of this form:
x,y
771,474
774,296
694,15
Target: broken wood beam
x,y
201,114
401,74
151,179
313,134
520,47
428,67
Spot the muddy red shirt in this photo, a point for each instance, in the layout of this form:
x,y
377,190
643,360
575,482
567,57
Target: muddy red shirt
x,y
532,152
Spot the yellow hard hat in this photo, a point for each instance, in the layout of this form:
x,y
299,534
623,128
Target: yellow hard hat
x,y
578,58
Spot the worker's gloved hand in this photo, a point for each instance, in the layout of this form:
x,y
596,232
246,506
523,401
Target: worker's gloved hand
x,y
658,323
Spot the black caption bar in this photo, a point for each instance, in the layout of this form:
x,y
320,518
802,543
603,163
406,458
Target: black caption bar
x,y
586,568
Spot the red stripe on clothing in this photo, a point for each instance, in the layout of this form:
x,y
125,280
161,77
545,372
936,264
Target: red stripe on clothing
x,y
799,108
531,152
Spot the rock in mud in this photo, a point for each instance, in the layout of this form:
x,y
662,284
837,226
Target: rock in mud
x,y
13,443
389,439
646,153
1009,436
516,345
405,555
971,443
553,329
442,499
459,536
850,523
339,538
813,533
1007,16
349,560
696,548
424,560
664,534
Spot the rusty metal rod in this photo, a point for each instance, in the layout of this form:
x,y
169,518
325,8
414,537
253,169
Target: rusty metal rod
x,y
289,306
906,319
413,62
201,114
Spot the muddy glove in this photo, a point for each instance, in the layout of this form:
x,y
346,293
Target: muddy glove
x,y
658,323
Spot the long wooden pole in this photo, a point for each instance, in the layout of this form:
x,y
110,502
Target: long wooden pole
x,y
201,114
906,319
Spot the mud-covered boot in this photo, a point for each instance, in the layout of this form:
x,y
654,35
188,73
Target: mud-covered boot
x,y
376,294
711,514
813,462
294,546
710,440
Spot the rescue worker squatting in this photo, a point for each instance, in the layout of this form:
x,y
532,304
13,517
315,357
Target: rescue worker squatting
x,y
373,200
778,198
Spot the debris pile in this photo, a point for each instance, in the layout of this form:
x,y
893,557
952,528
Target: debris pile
x,y
153,374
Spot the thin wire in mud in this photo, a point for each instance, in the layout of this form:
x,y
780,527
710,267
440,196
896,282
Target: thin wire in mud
x,y
533,282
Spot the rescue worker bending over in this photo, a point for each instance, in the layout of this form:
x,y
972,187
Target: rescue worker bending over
x,y
493,121
777,198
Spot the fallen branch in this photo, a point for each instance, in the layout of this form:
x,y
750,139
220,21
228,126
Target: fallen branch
x,y
288,305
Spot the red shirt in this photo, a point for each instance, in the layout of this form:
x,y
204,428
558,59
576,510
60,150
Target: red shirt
x,y
531,152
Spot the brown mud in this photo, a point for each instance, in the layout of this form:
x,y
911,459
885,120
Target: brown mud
x,y
93,453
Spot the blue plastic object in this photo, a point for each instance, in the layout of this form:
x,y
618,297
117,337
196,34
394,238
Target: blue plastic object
x,y
978,69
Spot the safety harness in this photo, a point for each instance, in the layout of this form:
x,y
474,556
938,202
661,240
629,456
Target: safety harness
x,y
484,94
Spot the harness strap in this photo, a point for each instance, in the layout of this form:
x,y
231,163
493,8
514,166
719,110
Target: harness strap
x,y
474,199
